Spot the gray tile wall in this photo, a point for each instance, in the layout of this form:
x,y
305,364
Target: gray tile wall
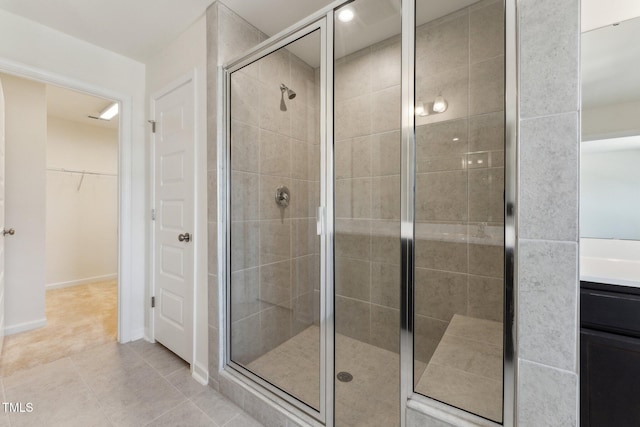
x,y
367,194
547,335
275,261
459,180
548,214
459,171
460,157
227,36
274,253
212,189
549,79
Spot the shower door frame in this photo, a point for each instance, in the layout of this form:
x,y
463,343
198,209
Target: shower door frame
x,y
408,397
323,21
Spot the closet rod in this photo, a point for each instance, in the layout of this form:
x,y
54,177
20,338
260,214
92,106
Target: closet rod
x,y
82,172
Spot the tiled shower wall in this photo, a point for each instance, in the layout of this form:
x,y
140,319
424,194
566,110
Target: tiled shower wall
x,y
548,287
459,182
274,250
227,36
275,256
367,194
547,247
459,171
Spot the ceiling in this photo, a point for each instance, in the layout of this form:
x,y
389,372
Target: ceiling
x,y
610,64
77,106
139,28
273,16
374,21
134,28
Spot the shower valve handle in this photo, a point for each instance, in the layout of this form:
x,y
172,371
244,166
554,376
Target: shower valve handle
x,y
282,197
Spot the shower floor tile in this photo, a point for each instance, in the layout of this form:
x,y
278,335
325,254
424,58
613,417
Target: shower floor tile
x,y
466,368
370,399
465,371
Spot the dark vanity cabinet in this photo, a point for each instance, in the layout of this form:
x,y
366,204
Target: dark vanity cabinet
x,y
609,355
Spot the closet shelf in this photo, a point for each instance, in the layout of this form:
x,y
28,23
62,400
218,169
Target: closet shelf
x,y
81,172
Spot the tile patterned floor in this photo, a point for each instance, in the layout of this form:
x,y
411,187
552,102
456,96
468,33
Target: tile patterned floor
x,y
75,374
79,380
136,384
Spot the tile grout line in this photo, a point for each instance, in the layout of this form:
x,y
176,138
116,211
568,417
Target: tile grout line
x,y
232,418
166,412
102,409
185,398
201,410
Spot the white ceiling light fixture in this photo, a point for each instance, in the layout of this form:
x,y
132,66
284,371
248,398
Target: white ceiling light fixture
x,y
110,112
346,14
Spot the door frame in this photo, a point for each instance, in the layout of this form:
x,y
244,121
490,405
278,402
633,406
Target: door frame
x,y
322,21
199,367
126,310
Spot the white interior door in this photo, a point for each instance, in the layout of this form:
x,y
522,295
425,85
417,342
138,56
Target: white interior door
x,y
1,217
174,223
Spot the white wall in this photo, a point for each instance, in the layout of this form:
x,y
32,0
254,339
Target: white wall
x,y
186,54
611,121
26,134
82,225
29,48
599,13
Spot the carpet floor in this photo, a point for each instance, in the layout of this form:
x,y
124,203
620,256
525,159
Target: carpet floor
x,y
78,318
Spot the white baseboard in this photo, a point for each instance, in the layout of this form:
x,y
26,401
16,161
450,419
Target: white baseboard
x,y
200,374
83,281
23,327
137,334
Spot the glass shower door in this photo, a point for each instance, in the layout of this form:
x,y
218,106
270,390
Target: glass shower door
x,y
274,183
459,204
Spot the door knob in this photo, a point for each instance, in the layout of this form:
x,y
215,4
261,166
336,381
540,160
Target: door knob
x,y
10,232
186,237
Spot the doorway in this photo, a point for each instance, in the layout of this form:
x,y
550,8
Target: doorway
x,y
65,214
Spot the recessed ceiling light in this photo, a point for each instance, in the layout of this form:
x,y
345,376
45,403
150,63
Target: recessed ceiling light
x,y
346,14
110,112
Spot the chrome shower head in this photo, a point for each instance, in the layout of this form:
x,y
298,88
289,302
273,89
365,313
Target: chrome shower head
x,y
290,93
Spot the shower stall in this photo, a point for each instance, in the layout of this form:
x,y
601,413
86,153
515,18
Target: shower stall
x,y
368,181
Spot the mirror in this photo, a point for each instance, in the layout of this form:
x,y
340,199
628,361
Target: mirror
x,y
610,154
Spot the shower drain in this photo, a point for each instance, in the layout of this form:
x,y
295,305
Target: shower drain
x,y
345,377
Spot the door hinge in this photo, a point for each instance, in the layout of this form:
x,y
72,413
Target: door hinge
x,y
153,302
153,125
153,214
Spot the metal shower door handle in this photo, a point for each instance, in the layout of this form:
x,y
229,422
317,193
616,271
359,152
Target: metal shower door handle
x,y
186,237
10,232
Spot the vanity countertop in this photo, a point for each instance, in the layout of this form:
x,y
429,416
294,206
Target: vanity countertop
x,y
609,261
